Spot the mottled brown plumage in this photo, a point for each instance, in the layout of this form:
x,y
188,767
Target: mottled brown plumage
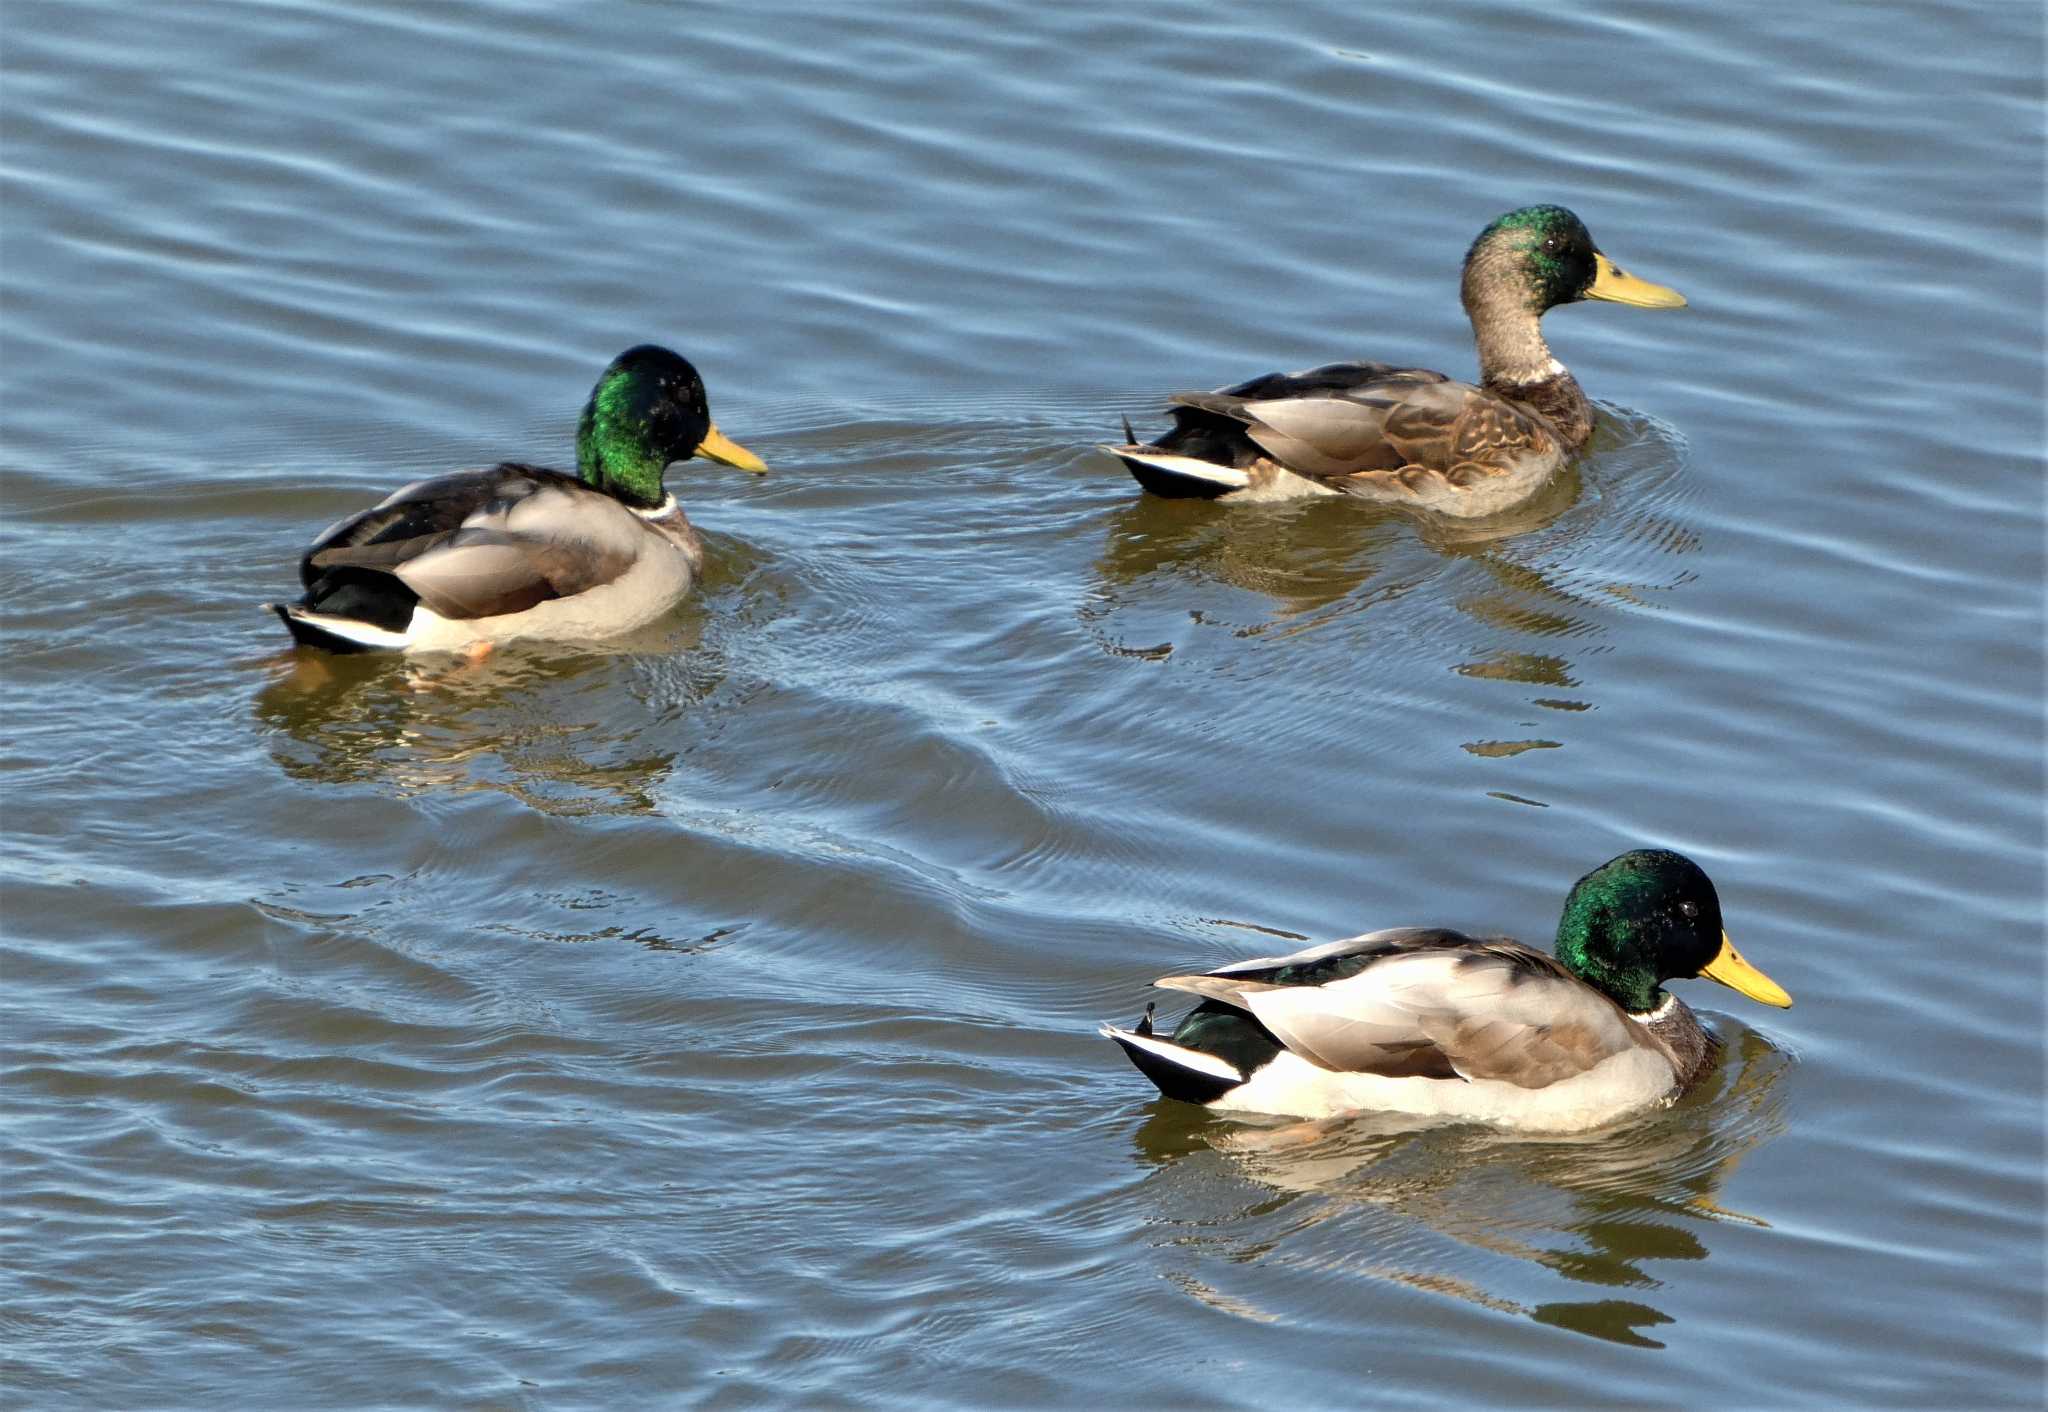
x,y
1409,436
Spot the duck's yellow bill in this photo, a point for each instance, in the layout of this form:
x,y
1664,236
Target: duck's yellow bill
x,y
717,446
1737,974
1612,282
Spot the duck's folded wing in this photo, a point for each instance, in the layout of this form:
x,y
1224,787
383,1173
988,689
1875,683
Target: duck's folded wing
x,y
1392,425
1326,436
1419,1004
519,541
406,523
1380,425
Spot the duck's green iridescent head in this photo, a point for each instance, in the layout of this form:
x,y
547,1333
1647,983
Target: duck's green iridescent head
x,y
648,410
1542,256
1647,917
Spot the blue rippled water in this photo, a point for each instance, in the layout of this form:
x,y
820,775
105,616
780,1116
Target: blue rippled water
x,y
710,1019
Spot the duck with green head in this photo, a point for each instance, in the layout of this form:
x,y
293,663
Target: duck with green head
x,y
465,561
1432,1022
1408,436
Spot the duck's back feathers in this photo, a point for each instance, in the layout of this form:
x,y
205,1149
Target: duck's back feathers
x,y
1371,430
475,545
486,543
1427,1003
414,519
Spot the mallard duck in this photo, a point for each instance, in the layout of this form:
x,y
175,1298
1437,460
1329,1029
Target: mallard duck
x,y
1408,436
1432,1022
467,560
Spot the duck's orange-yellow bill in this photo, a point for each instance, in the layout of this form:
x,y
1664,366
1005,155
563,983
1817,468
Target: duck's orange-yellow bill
x,y
717,446
1612,282
1737,974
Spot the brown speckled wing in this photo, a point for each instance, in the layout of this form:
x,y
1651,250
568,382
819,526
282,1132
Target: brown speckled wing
x,y
1389,428
1491,434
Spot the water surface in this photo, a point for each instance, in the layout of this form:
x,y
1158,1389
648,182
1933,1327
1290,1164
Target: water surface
x,y
710,1019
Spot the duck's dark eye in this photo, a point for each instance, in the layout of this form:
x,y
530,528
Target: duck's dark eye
x,y
1550,243
1691,909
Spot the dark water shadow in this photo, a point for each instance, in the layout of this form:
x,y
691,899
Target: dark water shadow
x,y
1381,1198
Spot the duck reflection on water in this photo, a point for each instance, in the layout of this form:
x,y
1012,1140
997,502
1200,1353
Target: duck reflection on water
x,y
529,722
1521,599
1507,1222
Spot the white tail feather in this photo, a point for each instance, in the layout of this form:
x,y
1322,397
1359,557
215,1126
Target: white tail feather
x,y
1174,1054
352,629
1187,467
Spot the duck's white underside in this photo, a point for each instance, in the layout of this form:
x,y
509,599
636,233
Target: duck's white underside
x,y
1290,1086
